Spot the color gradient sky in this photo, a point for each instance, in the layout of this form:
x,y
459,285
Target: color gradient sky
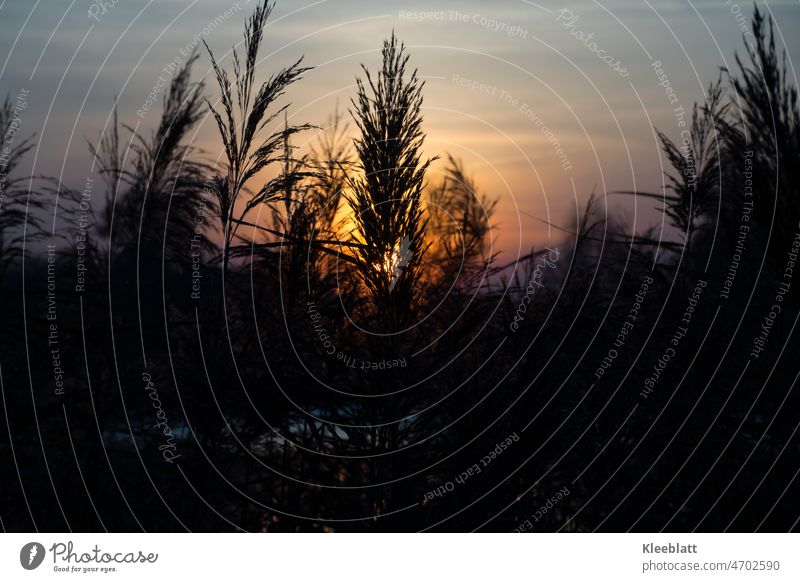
x,y
545,102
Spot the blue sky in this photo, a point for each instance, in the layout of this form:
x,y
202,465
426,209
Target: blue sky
x,y
499,76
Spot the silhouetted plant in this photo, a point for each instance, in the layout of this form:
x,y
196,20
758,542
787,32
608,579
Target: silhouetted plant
x,y
295,219
331,157
696,180
460,223
240,125
386,198
696,177
765,123
315,183
278,434
16,205
154,202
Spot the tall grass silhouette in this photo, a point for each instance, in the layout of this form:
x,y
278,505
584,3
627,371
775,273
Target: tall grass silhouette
x,y
386,196
353,245
245,111
15,199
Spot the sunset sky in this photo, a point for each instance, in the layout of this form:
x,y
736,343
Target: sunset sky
x,y
498,77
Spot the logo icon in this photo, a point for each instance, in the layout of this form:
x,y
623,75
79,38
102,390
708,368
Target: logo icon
x,y
31,555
